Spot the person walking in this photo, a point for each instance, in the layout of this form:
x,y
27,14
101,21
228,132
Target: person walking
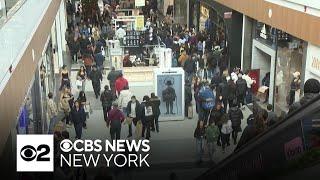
x,y
199,134
155,102
250,82
241,86
120,83
133,112
66,99
115,119
207,101
187,97
223,92
78,118
99,59
124,98
216,117
106,98
65,80
189,68
112,77
226,130
82,100
52,113
147,116
235,115
212,134
88,62
81,78
232,91
96,78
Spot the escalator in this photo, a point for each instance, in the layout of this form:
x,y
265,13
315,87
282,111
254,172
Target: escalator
x,y
288,150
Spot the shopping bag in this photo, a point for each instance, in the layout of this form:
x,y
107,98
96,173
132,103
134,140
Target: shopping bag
x,y
128,120
190,112
138,131
78,83
88,109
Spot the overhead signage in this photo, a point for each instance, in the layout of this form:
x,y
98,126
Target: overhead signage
x,y
139,3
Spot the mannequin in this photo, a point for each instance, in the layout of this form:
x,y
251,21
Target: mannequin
x,y
295,88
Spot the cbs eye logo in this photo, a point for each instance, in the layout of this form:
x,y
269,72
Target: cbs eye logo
x,y
30,153
66,145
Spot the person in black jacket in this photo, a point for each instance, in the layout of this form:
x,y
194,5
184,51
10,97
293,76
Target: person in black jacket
x,y
235,115
223,92
134,112
232,90
146,116
155,102
188,97
190,67
78,118
199,134
112,77
241,90
96,78
106,98
216,117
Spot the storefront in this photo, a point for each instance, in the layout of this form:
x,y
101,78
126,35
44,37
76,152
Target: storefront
x,y
279,58
312,62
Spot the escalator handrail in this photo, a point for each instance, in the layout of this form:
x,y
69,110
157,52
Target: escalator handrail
x,y
288,120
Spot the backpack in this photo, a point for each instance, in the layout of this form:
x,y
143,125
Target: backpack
x,y
208,98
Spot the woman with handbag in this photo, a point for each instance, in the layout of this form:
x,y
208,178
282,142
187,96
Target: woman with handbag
x,y
66,100
65,80
81,79
82,99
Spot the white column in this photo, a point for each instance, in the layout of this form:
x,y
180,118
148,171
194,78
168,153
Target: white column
x,y
63,23
59,41
242,43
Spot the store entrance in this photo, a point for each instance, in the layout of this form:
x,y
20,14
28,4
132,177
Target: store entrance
x,y
264,60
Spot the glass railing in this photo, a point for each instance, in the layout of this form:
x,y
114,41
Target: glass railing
x,y
290,145
9,8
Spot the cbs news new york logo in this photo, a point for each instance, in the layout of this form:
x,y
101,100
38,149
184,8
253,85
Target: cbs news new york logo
x,y
35,153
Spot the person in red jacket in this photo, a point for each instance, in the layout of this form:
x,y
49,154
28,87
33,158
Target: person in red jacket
x,y
121,83
115,119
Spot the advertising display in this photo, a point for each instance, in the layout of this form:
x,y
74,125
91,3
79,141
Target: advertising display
x,y
169,88
139,25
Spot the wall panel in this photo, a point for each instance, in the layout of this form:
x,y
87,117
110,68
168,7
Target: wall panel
x,y
296,23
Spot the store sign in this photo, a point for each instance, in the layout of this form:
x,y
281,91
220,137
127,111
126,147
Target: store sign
x,y
263,32
116,51
313,59
139,3
227,15
139,25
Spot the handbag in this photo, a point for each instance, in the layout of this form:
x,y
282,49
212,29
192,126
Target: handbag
x,y
88,109
78,83
128,120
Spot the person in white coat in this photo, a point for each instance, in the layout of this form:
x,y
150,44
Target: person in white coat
x,y
250,82
124,98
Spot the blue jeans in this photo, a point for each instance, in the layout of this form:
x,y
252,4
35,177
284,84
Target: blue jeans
x,y
199,142
53,121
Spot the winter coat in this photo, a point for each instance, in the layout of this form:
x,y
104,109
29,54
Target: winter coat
x,y
235,115
199,133
189,66
96,77
78,117
155,102
107,98
223,90
248,133
241,86
124,98
188,94
182,59
216,115
120,83
232,89
99,59
212,133
112,76
138,109
169,94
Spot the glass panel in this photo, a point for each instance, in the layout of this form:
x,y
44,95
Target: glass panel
x,y
2,9
11,3
288,69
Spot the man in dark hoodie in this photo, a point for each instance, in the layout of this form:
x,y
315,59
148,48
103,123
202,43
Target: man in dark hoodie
x,y
311,90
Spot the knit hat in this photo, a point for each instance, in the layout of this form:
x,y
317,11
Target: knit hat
x,y
311,86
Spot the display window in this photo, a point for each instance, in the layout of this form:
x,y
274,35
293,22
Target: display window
x,y
288,82
204,15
